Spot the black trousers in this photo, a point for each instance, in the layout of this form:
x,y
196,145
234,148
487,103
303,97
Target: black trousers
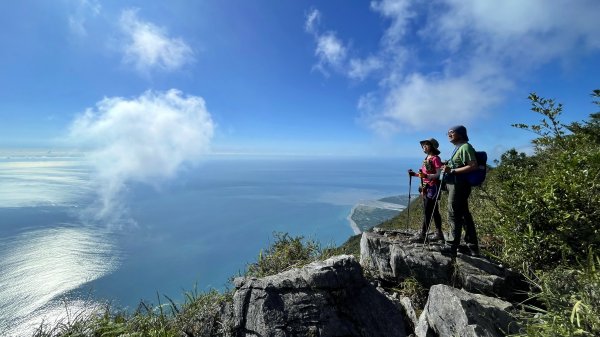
x,y
459,215
431,209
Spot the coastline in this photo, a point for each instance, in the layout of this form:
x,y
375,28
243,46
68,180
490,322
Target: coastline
x,y
367,214
353,224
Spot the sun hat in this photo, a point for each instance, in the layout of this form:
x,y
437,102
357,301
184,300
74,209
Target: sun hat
x,y
433,143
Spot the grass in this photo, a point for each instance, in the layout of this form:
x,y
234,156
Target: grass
x,y
569,301
200,315
414,290
285,253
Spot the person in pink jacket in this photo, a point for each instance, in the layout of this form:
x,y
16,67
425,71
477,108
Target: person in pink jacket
x,y
430,185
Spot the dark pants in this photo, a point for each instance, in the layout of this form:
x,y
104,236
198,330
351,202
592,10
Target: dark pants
x,y
431,209
459,215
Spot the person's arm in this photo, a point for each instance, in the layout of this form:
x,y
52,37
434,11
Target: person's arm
x,y
471,166
467,154
437,164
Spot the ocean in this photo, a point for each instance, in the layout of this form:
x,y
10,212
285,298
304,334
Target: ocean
x,y
192,231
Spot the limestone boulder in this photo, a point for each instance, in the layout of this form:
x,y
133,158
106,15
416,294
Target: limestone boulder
x,y
390,257
455,312
325,298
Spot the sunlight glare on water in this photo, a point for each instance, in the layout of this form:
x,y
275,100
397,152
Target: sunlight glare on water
x,y
30,181
39,267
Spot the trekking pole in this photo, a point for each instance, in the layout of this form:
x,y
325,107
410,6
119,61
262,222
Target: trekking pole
x,y
409,189
435,203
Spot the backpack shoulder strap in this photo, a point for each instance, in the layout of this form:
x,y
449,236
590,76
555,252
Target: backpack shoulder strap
x,y
454,152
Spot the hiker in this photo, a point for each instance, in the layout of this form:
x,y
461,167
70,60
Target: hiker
x,y
429,188
463,160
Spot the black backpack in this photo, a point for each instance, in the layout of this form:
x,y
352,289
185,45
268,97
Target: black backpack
x,y
477,177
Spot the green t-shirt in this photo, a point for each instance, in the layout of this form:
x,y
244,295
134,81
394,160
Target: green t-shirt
x,y
464,154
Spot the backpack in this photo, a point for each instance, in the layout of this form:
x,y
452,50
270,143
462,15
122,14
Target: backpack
x,y
477,177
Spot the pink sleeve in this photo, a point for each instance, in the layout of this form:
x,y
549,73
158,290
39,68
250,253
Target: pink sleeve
x,y
437,162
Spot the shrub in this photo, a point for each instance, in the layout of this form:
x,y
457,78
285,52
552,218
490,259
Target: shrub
x,y
202,314
570,302
285,253
547,209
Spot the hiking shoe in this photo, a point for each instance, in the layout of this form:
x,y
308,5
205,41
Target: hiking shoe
x,y
448,251
418,238
451,243
473,250
437,237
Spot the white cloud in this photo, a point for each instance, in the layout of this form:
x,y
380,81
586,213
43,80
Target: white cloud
x,y
361,68
312,20
400,12
148,47
145,139
517,30
82,11
451,61
424,102
330,50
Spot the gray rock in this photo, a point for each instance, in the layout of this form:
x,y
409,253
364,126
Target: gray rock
x,y
454,312
389,256
409,312
328,298
392,258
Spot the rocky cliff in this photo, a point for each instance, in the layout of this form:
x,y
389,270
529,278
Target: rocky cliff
x,y
341,296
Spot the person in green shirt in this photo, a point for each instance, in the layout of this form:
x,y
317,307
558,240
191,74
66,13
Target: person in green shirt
x,y
463,160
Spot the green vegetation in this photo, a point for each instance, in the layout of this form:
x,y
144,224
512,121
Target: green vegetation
x,y
285,253
548,210
367,217
414,290
570,301
350,247
551,221
539,213
397,199
199,315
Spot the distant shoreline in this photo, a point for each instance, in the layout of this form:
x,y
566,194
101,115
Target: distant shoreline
x,y
353,224
367,214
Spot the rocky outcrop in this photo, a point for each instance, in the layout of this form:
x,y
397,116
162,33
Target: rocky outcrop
x,y
390,257
333,297
328,298
454,312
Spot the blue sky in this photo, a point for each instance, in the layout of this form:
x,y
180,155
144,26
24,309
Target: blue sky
x,y
333,77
